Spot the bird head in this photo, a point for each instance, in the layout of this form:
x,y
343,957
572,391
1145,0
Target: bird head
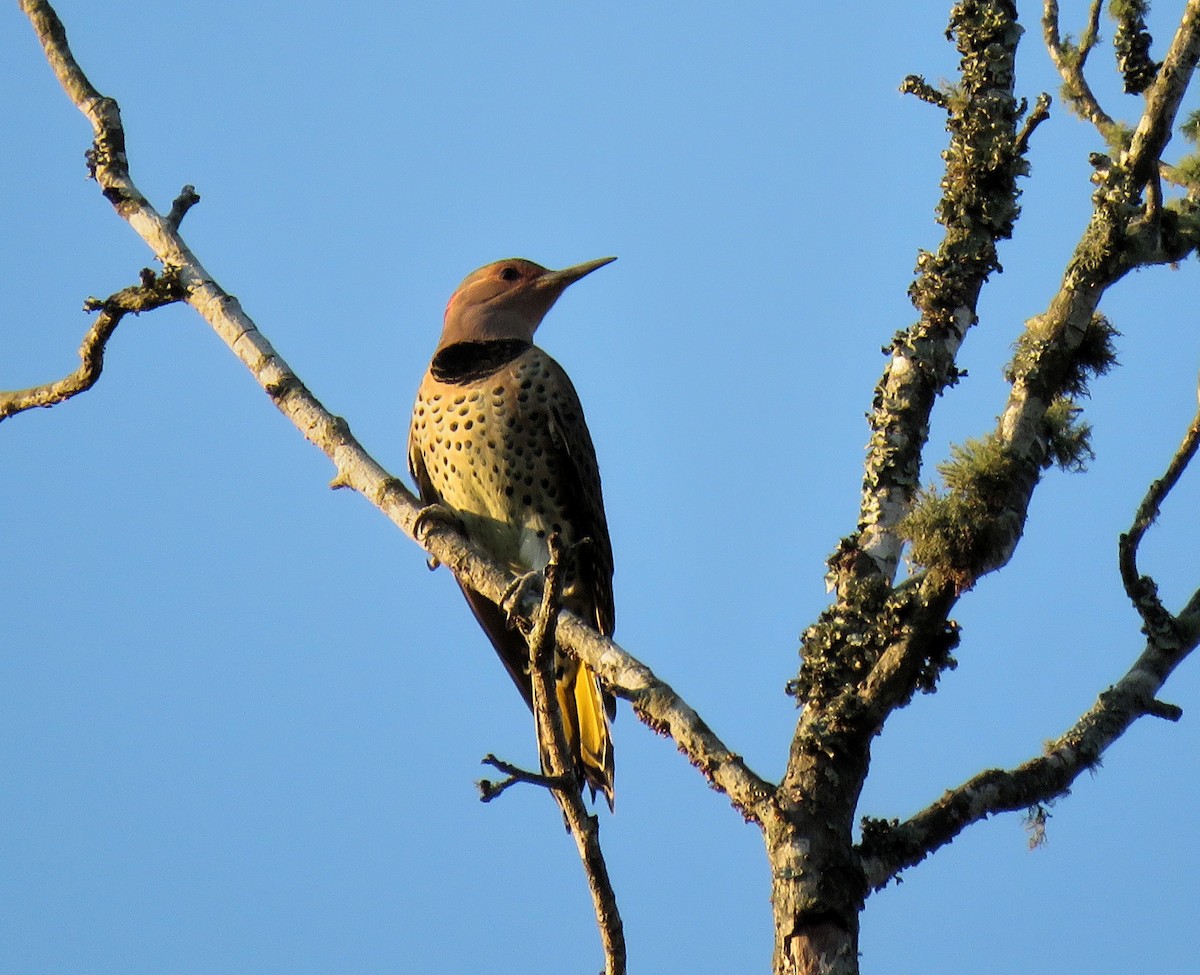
x,y
507,300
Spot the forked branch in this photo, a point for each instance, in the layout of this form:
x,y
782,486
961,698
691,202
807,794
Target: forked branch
x,y
153,292
887,848
1070,60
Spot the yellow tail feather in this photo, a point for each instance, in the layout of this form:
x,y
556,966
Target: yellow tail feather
x,y
585,723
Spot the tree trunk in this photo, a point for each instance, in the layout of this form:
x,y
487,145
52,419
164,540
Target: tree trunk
x,y
817,886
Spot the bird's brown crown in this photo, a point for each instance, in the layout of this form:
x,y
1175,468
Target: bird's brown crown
x,y
507,300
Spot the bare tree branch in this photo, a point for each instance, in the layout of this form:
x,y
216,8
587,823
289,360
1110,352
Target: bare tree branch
x,y
1039,114
187,198
153,292
560,768
513,775
1142,591
654,701
914,84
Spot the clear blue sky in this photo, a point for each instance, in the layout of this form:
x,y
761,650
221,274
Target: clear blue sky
x,y
240,721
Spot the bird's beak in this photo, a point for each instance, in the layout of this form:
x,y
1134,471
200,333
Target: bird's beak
x,y
556,281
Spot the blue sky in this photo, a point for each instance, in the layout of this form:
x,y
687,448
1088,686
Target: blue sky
x,y
241,721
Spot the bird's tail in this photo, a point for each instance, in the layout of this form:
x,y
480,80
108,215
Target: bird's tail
x,y
581,703
584,707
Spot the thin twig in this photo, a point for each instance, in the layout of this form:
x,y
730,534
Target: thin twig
x,y
1142,591
153,292
187,198
559,766
1039,114
513,775
1091,33
914,84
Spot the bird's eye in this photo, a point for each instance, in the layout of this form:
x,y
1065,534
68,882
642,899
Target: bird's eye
x,y
510,273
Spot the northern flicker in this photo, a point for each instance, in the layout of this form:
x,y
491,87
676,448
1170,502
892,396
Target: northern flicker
x,y
498,438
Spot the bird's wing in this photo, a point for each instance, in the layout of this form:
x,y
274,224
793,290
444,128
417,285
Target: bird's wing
x,y
582,496
509,643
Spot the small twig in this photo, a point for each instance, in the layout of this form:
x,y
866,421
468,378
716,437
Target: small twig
x,y
1161,709
489,790
187,198
1091,33
914,84
1173,175
153,292
1041,112
1154,197
1141,589
559,765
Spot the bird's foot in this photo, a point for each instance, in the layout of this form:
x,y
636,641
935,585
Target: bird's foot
x,y
514,595
431,517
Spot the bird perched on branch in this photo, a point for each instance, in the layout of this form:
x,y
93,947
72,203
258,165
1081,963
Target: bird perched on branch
x,y
498,439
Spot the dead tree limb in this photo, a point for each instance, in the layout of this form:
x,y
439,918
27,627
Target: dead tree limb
x,y
653,700
560,768
155,291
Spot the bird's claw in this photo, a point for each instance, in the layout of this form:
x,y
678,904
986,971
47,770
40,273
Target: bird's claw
x,y
430,517
514,595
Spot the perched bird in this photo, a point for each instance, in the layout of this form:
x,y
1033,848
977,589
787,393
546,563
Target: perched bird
x,y
498,439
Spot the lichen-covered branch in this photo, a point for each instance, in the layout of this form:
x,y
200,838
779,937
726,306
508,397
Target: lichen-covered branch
x,y
1131,43
876,646
817,885
653,700
975,526
1070,60
889,847
153,292
1164,96
978,209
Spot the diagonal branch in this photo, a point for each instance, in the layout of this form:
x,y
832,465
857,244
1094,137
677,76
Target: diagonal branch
x,y
1164,97
153,292
887,848
654,701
